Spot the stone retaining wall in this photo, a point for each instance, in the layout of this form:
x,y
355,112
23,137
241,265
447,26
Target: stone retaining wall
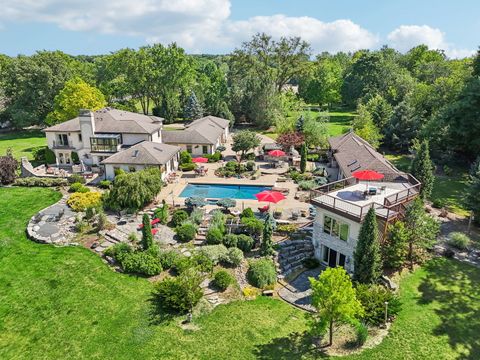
x,y
293,252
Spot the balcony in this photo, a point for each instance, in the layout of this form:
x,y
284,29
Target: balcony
x,y
105,143
345,197
62,145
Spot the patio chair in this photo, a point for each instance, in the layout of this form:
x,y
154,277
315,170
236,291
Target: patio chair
x,y
295,215
264,209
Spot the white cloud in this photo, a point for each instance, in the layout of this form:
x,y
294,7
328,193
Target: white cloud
x,y
405,37
206,26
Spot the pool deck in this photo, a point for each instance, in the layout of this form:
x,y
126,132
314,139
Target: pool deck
x,y
171,192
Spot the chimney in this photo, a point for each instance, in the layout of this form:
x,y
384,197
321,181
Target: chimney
x,y
87,126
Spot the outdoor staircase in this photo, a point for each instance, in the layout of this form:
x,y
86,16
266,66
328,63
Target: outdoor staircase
x,y
294,251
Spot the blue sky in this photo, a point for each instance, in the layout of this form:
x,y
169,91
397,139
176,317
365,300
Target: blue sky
x,y
218,26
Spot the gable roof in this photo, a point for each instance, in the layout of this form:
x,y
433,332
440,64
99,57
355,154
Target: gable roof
x,y
222,123
144,153
206,131
110,120
352,153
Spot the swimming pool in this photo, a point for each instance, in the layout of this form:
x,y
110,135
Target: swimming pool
x,y
218,191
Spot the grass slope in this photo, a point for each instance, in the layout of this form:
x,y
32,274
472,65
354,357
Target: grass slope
x,y
22,142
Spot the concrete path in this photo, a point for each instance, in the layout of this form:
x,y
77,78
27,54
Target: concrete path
x,y
298,291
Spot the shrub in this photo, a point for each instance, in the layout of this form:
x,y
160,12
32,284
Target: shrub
x,y
247,213
105,184
75,178
178,217
8,168
439,203
101,221
361,333
262,273
250,292
459,240
202,262
197,216
182,263
234,257
373,299
78,187
141,262
194,201
230,240
81,201
186,232
168,258
214,236
286,228
221,148
118,172
252,226
218,220
161,213
216,253
250,165
75,158
311,263
227,203
181,293
81,226
187,167
245,242
40,182
222,280
307,185
185,158
215,157
118,251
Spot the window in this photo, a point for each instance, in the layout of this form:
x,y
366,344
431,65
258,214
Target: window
x,y
80,137
63,139
189,149
205,149
325,253
104,144
335,228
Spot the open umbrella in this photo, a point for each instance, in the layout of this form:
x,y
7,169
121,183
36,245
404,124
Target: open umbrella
x,y
276,153
200,160
367,175
270,196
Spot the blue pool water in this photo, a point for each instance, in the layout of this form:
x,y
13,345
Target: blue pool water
x,y
223,191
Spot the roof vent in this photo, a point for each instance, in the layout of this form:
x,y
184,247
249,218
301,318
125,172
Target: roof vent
x,y
158,149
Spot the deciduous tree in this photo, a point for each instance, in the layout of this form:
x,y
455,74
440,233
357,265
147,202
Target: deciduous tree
x,y
245,140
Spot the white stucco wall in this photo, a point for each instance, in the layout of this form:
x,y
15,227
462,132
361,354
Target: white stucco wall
x,y
157,136
132,139
321,238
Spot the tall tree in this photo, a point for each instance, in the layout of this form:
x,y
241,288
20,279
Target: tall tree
x,y
364,126
422,168
245,140
403,126
8,168
422,231
193,109
303,158
367,256
472,197
334,298
147,237
267,243
380,110
395,248
75,95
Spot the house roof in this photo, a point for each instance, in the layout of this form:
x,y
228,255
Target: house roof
x,y
222,123
110,120
144,153
206,130
352,153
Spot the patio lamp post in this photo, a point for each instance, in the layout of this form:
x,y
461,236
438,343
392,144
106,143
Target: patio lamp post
x,y
386,313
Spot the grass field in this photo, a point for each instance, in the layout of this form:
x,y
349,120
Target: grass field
x,y
22,142
66,303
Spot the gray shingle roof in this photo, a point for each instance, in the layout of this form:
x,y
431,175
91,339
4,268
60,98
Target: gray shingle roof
x,y
352,153
223,123
204,131
144,153
110,120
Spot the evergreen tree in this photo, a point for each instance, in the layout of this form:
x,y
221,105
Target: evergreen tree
x,y
193,109
367,258
395,249
267,243
303,158
472,198
147,237
422,168
299,126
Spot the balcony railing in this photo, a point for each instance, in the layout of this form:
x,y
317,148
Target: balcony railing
x,y
105,143
62,145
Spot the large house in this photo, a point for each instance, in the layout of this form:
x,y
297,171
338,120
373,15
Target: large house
x,y
202,136
341,206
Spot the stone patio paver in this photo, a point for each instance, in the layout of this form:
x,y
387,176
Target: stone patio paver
x,y
297,292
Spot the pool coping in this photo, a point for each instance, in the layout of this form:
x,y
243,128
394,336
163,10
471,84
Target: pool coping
x,y
222,181
230,184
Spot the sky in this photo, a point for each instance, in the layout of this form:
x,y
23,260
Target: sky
x,y
219,26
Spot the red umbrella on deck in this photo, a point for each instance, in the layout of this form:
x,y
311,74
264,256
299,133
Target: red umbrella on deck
x,y
367,175
276,153
200,160
270,196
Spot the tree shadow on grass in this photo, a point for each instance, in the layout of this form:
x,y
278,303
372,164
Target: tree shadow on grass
x,y
292,347
456,288
158,313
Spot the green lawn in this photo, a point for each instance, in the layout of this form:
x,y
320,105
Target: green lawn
x,y
448,190
66,303
22,142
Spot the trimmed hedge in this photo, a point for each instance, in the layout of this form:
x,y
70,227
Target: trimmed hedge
x,y
81,201
40,182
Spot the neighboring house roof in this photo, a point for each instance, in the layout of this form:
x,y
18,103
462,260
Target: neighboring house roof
x,y
207,130
110,120
222,123
144,153
352,153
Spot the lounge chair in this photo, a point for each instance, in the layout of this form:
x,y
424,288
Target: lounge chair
x,y
284,191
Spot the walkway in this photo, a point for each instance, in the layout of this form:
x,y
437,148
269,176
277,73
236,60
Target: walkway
x,y
298,291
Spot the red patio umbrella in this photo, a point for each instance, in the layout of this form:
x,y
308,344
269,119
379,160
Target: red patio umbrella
x,y
276,153
367,175
200,160
270,196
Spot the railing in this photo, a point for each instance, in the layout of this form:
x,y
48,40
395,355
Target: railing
x,y
104,148
62,145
